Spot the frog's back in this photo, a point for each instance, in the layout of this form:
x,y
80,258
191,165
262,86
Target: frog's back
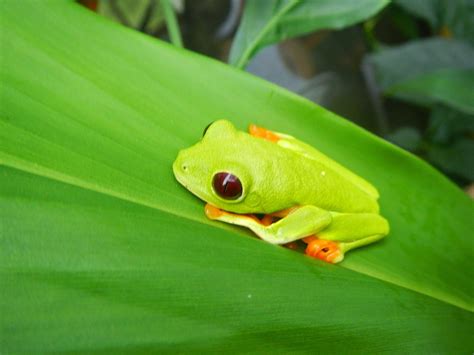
x,y
307,177
333,187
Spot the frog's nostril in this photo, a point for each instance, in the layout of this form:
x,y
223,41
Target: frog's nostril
x,y
185,167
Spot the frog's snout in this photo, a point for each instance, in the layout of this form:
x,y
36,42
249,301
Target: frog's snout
x,y
180,167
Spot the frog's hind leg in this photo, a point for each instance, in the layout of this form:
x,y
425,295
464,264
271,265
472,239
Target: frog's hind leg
x,y
346,232
346,246
325,250
332,251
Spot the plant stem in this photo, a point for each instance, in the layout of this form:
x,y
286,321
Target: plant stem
x,y
242,62
171,23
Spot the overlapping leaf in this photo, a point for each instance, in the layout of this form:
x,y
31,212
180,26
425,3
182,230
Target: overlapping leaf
x,y
451,18
266,22
428,71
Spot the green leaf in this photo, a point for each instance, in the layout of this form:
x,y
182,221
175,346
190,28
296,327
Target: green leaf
x,y
428,71
457,158
171,23
449,141
82,271
452,87
450,18
132,13
103,251
446,125
406,137
426,9
271,21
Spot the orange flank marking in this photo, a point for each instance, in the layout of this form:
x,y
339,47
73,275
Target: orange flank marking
x,y
267,220
251,216
212,212
325,250
291,245
264,133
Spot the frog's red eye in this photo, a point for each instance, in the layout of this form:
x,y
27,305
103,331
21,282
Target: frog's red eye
x,y
227,186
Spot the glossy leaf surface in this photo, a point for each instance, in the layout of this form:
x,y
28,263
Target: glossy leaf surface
x,y
103,251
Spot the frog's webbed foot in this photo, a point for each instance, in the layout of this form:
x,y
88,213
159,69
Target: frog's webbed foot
x,y
325,250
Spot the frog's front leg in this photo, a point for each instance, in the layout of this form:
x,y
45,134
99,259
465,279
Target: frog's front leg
x,y
301,222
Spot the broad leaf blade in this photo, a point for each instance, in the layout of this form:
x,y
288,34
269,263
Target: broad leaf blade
x,y
84,271
266,22
102,242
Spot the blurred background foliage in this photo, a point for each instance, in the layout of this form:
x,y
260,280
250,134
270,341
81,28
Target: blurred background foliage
x,y
402,69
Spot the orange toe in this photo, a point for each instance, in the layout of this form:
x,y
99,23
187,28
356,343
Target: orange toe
x,y
212,212
309,239
325,250
266,220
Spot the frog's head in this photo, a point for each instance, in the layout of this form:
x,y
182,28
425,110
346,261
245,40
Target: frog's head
x,y
217,169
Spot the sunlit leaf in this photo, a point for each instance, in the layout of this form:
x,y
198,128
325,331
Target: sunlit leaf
x,y
103,251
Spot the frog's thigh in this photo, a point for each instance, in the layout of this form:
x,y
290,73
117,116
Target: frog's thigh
x,y
355,226
302,222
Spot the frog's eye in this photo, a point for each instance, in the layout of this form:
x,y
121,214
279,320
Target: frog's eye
x,y
227,186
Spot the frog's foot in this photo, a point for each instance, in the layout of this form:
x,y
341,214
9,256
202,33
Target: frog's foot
x,y
325,250
266,220
215,213
264,133
281,231
212,212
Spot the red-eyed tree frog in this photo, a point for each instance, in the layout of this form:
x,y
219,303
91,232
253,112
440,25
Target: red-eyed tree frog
x,y
301,192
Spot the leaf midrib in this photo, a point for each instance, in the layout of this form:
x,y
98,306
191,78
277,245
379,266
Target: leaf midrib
x,y
22,165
